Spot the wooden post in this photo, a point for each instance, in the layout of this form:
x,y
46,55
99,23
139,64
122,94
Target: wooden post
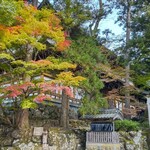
x,y
113,126
148,107
64,111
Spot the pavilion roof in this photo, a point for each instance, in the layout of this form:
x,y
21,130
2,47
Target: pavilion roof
x,y
105,114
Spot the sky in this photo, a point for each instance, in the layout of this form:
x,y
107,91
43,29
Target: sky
x,y
109,23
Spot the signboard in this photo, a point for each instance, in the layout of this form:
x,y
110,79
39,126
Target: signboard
x,y
99,126
38,131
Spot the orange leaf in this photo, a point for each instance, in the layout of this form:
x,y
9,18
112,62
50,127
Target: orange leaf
x,y
63,45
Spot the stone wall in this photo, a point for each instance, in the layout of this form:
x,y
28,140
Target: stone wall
x,y
52,112
59,139
133,141
103,146
67,140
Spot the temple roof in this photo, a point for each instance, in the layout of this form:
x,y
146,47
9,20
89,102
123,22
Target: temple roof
x,y
112,114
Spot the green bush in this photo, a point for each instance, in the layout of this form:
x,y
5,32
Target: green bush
x,y
126,125
144,125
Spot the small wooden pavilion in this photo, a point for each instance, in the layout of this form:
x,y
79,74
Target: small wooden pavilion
x,y
102,134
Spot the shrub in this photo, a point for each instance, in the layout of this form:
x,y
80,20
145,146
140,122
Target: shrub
x,y
126,125
144,125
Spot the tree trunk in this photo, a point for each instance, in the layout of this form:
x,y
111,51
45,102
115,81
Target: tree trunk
x,y
127,67
64,111
127,91
23,117
95,24
35,3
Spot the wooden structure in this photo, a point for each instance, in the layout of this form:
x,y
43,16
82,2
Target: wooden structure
x,y
102,137
102,133
113,77
114,90
58,97
55,95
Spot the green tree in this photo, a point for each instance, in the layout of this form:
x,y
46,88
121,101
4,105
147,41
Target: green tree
x,y
140,27
86,54
73,13
124,19
134,53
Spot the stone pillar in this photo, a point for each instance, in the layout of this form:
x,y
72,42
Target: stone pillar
x,y
45,146
148,107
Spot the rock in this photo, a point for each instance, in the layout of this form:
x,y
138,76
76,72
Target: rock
x,y
52,148
133,141
122,146
37,113
8,148
30,144
66,140
8,130
23,146
6,141
132,133
16,134
37,139
16,143
1,131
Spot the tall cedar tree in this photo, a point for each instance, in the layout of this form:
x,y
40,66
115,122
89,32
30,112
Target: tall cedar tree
x,y
140,27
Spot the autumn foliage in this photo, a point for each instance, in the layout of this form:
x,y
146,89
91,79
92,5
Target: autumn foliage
x,y
31,26
42,91
23,33
62,45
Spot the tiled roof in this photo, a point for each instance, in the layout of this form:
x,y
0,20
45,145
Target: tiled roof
x,y
106,114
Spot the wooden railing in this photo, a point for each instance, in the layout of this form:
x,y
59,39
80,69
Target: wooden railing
x,y
55,95
58,97
102,137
